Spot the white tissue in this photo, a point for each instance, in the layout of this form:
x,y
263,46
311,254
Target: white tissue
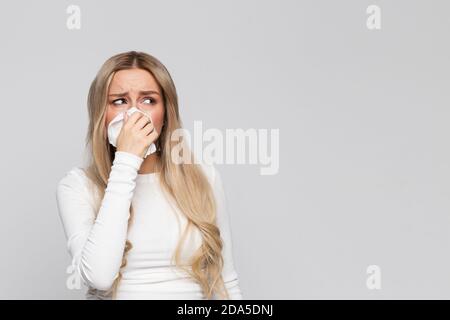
x,y
116,124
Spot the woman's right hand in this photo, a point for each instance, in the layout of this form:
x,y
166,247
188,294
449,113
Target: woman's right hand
x,y
136,135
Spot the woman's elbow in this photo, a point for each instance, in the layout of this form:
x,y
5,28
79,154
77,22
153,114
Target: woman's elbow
x,y
96,279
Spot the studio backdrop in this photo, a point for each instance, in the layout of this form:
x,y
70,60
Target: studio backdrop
x,y
340,184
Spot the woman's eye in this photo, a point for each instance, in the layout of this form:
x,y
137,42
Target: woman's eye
x,y
116,101
149,99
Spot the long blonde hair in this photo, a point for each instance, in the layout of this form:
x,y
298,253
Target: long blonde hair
x,y
185,185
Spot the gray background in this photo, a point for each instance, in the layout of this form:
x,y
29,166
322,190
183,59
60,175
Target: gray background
x,y
364,137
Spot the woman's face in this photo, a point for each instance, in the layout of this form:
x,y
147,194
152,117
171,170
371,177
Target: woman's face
x,y
138,88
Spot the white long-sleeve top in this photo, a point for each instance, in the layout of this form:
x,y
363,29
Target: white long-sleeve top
x,y
96,244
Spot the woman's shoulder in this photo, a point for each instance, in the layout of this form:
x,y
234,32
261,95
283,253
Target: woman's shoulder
x,y
75,184
74,178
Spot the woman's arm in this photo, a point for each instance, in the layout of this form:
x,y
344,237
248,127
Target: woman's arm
x,y
97,244
229,273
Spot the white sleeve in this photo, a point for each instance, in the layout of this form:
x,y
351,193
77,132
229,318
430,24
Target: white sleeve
x,y
229,273
97,244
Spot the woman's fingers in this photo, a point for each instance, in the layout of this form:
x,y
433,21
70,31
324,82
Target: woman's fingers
x,y
152,136
136,134
131,120
148,128
142,122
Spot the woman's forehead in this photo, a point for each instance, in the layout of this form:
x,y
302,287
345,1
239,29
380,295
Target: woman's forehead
x,y
133,80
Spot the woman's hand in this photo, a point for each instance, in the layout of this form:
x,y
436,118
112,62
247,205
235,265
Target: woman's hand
x,y
136,135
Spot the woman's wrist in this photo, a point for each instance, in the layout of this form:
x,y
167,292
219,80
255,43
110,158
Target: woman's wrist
x,y
128,158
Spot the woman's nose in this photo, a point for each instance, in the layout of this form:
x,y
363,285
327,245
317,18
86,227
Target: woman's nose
x,y
134,105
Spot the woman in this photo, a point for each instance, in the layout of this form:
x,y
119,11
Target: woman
x,y
142,226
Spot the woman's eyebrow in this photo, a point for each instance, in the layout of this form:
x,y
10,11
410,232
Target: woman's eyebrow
x,y
140,92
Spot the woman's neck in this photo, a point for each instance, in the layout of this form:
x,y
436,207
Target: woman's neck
x,y
149,165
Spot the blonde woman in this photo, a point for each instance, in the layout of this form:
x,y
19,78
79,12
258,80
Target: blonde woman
x,y
142,226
